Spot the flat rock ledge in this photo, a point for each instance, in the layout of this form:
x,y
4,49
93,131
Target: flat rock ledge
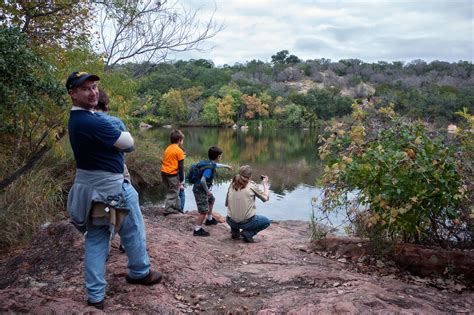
x,y
281,273
418,259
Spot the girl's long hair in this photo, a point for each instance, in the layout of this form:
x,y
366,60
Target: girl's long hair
x,y
241,180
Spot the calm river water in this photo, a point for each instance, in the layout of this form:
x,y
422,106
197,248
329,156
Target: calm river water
x,y
287,156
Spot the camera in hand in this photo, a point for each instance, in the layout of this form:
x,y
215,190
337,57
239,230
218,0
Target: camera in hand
x,y
262,177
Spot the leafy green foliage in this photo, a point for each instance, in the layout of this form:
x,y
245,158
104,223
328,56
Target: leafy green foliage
x,y
172,106
325,104
407,180
436,102
33,102
294,115
283,57
210,114
50,23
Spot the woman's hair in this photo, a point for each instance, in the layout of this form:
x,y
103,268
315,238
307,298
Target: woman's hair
x,y
241,180
103,103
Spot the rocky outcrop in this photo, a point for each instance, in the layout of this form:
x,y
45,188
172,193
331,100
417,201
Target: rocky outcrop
x,y
143,125
280,273
418,259
427,261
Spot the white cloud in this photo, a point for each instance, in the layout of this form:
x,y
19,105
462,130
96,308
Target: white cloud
x,y
368,30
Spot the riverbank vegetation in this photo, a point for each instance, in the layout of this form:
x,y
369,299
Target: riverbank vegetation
x,y
399,180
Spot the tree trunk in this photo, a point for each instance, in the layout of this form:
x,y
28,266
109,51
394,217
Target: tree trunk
x,y
6,181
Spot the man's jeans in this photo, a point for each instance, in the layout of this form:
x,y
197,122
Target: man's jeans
x,y
133,238
251,227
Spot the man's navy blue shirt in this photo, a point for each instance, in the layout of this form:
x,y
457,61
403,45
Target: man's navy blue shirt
x,y
92,140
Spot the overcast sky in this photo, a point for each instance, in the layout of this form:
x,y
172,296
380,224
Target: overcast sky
x,y
370,30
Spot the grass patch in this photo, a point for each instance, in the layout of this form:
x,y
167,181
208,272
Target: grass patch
x,y
35,199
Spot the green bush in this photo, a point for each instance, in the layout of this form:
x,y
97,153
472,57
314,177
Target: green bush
x,y
408,180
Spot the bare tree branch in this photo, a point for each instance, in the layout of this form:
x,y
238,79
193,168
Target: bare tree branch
x,y
148,30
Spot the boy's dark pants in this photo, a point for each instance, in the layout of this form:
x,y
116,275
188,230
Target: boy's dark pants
x,y
172,203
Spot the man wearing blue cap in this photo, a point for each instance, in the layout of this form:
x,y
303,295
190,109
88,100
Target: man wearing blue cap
x,y
100,202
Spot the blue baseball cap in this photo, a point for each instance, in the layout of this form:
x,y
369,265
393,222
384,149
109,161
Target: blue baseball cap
x,y
76,79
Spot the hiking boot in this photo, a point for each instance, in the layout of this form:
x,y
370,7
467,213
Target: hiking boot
x,y
235,236
211,222
98,305
247,238
152,278
201,232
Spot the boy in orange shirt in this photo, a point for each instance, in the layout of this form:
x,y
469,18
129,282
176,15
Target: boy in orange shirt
x,y
172,172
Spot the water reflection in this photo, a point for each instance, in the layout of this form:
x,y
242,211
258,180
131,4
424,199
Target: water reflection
x,y
287,156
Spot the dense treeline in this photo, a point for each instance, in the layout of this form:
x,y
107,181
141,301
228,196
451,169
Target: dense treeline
x,y
292,93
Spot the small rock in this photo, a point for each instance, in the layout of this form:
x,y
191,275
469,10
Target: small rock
x,y
336,284
244,263
343,260
340,291
178,297
242,290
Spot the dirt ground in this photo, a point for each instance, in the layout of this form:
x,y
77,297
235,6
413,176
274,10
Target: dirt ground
x,y
280,273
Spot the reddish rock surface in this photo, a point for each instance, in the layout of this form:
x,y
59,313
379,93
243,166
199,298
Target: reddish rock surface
x,y
428,261
420,260
280,273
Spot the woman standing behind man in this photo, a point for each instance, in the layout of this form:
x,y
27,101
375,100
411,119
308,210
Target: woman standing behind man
x,y
240,203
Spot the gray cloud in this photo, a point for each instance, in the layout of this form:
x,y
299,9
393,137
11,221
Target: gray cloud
x,y
370,30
